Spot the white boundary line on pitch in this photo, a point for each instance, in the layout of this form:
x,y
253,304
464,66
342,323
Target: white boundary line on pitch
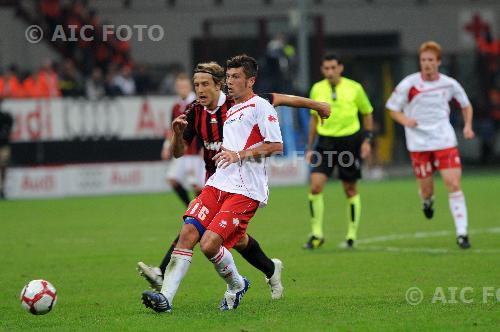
x,y
418,235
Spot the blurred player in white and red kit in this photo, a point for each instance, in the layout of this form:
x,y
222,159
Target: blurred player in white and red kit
x,y
187,172
221,213
420,103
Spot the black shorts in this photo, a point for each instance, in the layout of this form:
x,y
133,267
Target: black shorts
x,y
343,152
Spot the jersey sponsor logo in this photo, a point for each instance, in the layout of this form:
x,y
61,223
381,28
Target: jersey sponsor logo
x,y
214,146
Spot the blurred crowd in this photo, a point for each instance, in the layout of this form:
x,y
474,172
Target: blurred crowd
x,y
65,80
91,68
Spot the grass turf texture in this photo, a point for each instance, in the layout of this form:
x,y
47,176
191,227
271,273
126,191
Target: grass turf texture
x,y
88,248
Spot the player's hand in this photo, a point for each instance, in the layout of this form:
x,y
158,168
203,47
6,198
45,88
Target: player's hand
x,y
324,111
225,158
468,132
309,154
179,124
410,123
366,149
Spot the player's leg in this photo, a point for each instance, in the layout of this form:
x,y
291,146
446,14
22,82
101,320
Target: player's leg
x,y
176,269
175,177
227,228
423,167
250,250
198,216
451,172
349,166
318,180
426,192
353,211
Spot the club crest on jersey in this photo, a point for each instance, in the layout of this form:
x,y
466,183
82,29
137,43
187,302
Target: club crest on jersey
x,y
272,118
213,146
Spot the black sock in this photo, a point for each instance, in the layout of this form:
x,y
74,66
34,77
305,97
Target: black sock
x,y
166,259
255,256
182,193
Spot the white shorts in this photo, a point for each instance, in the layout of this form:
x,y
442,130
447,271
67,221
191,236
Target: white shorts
x,y
187,170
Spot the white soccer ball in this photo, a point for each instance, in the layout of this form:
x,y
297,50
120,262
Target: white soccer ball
x,y
38,297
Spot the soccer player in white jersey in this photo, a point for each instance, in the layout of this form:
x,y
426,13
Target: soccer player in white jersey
x,y
420,103
221,213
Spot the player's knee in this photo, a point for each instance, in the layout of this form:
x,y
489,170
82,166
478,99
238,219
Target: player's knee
x,y
242,243
316,188
453,185
350,189
209,246
189,237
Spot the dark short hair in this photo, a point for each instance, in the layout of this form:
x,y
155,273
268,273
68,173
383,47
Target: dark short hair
x,y
330,57
249,64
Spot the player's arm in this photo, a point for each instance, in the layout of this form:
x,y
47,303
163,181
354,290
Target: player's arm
x,y
402,119
467,114
313,124
322,108
227,157
177,144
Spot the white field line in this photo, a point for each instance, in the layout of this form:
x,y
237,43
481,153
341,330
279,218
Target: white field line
x,y
362,244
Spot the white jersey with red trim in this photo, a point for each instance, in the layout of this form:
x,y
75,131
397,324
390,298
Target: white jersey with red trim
x,y
428,103
248,125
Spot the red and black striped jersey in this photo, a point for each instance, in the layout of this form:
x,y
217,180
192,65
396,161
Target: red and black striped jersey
x,y
206,126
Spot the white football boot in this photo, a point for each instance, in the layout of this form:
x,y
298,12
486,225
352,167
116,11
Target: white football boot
x,y
152,274
275,281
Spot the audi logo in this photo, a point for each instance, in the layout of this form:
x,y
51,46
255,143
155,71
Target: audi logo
x,y
99,119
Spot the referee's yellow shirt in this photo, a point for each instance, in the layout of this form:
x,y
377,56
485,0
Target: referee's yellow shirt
x,y
346,100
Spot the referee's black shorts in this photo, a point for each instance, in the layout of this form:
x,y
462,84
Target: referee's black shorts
x,y
342,152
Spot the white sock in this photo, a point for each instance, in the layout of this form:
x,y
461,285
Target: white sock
x,y
175,272
459,211
225,267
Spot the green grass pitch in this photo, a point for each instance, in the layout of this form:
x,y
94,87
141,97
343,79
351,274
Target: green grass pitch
x,y
88,248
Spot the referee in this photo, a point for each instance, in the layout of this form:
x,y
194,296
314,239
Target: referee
x,y
341,142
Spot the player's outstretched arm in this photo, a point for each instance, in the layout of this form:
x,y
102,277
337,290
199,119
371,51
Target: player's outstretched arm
x,y
228,157
467,113
322,108
177,145
313,124
403,120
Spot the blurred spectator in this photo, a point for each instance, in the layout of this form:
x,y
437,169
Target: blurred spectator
x,y
10,87
69,80
49,80
124,81
143,82
94,86
6,123
167,86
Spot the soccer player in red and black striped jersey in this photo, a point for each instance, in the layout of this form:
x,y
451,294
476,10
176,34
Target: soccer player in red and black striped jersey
x,y
203,121
187,172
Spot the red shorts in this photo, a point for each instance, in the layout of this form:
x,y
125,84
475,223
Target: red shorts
x,y
224,213
426,162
